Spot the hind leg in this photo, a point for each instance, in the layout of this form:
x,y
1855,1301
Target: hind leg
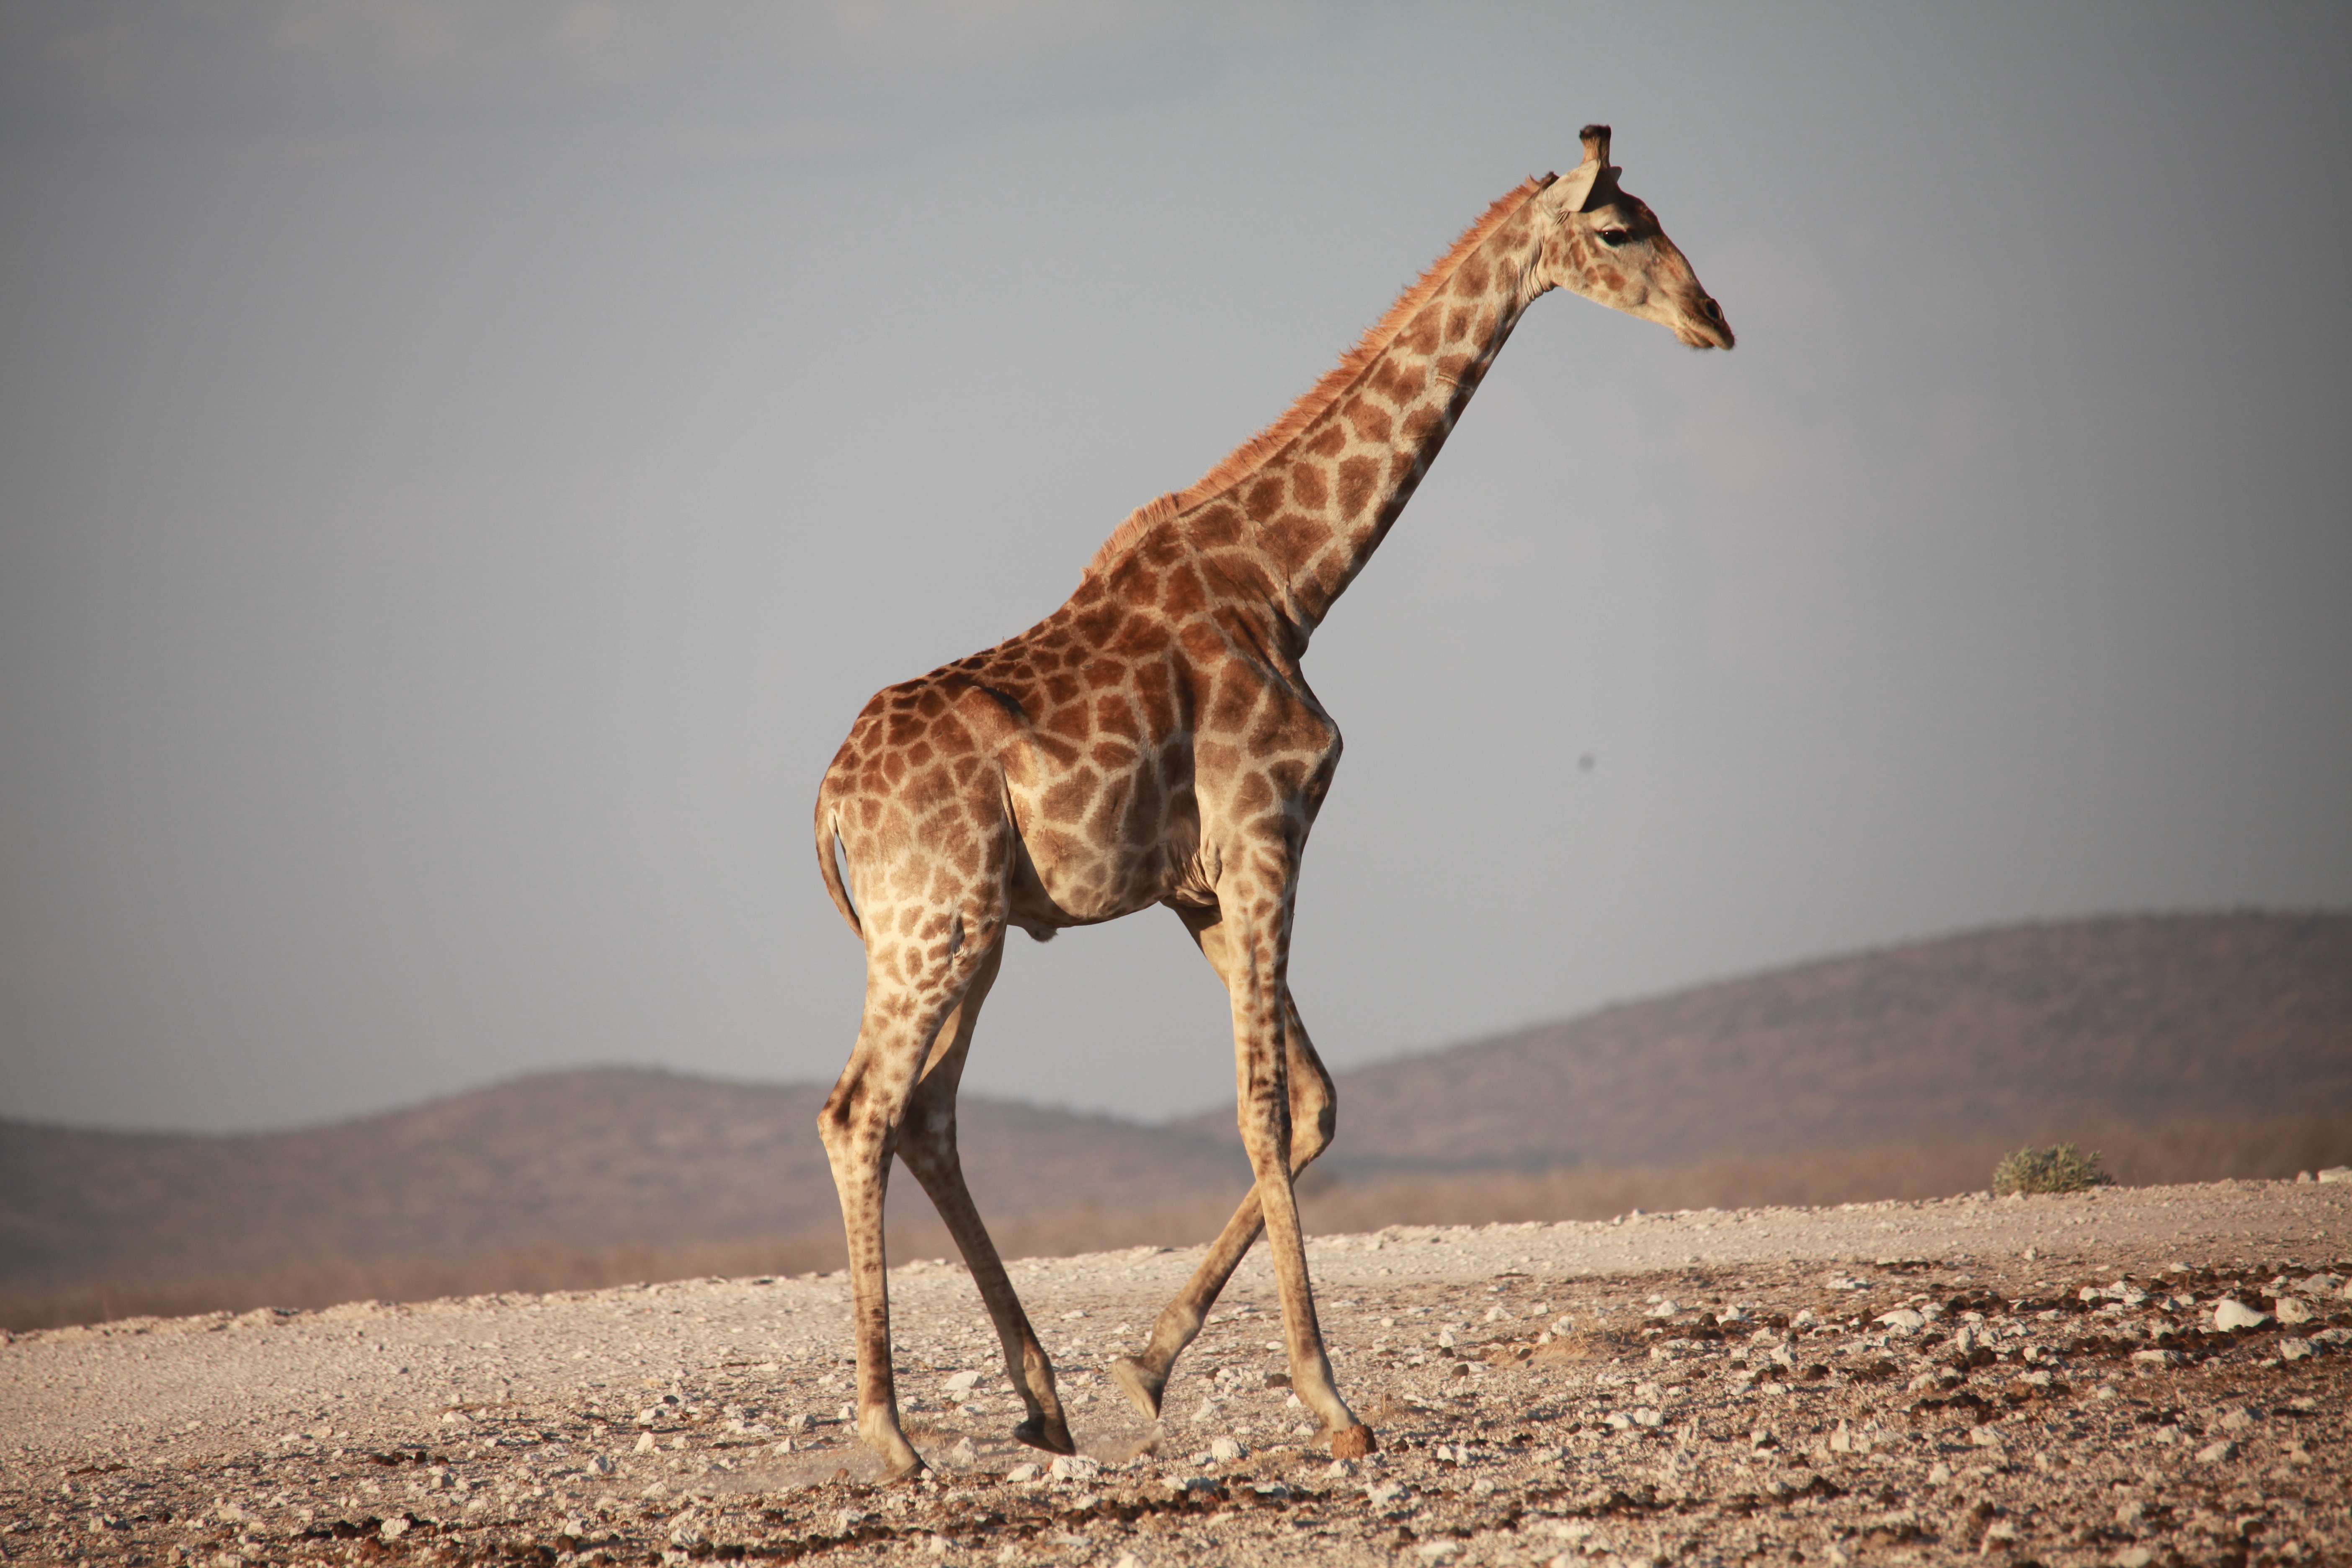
x,y
914,983
926,1142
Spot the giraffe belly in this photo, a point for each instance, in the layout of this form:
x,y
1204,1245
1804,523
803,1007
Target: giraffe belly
x,y
1061,876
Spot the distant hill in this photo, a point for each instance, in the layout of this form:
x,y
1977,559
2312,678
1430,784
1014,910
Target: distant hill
x,y
591,1160
2008,1033
2130,1020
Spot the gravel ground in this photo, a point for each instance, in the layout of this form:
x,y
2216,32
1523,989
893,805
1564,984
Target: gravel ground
x,y
2034,1380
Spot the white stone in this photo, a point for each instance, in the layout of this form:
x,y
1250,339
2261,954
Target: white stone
x,y
1666,1308
2157,1358
2215,1453
2294,1350
964,1381
2337,1173
1074,1467
1225,1450
2231,1314
1021,1474
2236,1419
2294,1309
1903,1320
644,1443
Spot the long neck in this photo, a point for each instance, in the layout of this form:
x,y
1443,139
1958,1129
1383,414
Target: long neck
x,y
1292,516
1321,508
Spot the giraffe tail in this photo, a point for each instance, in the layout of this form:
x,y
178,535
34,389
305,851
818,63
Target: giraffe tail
x,y
830,866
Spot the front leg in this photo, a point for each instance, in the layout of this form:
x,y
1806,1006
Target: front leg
x,y
1313,1107
1252,952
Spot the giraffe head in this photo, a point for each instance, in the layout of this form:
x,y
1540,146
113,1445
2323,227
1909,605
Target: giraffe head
x,y
1606,245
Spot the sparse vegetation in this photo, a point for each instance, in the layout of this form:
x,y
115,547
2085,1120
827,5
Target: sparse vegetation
x,y
2062,1168
2272,1149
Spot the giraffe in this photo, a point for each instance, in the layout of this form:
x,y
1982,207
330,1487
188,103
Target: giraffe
x,y
1154,741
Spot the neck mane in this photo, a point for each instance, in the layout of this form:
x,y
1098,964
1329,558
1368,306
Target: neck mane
x,y
1261,448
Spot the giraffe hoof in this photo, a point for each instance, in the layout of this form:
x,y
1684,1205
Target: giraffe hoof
x,y
1353,1442
1142,1389
910,1471
1052,1435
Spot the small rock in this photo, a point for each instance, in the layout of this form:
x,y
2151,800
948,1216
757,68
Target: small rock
x,y
2152,1359
644,1443
2135,1557
2294,1349
849,1518
2231,1314
1074,1467
1939,1474
600,1464
2215,1453
2294,1309
1020,1475
964,1381
1903,1320
1984,1437
1664,1310
2337,1173
1496,1314
395,1527
1446,1339
1382,1493
1226,1450
2236,1419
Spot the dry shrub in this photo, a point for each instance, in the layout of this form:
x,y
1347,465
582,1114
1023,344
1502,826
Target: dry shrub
x,y
2062,1168
1589,1344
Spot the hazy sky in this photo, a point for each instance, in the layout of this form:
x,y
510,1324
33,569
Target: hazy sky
x,y
462,467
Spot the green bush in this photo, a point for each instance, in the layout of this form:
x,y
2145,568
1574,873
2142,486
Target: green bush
x,y
2061,1169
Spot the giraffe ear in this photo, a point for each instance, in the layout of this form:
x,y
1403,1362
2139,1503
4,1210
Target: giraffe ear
x,y
1569,193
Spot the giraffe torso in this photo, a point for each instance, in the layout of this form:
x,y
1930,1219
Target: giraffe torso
x,y
1106,758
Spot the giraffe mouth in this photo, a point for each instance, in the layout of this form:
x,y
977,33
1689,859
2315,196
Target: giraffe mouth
x,y
1701,325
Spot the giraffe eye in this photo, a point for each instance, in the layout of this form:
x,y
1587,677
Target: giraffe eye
x,y
1613,237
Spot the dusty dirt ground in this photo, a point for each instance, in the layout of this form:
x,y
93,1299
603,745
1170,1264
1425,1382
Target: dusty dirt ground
x,y
2022,1380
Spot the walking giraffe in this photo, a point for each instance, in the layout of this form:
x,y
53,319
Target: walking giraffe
x,y
1153,742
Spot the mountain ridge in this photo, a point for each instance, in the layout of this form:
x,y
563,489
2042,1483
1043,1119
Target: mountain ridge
x,y
2011,1032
